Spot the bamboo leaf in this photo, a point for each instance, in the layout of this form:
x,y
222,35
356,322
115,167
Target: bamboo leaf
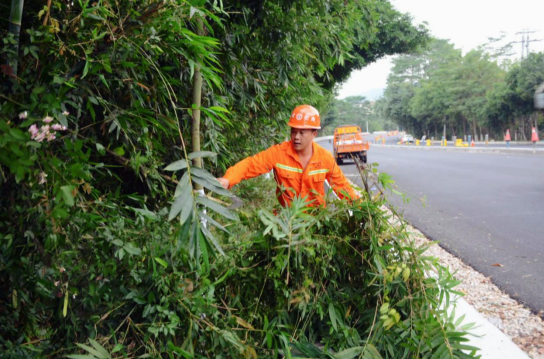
x,y
92,351
194,155
220,109
372,351
183,201
182,184
349,353
86,68
212,184
203,174
333,317
129,247
161,262
175,166
100,348
65,307
212,239
216,224
187,210
243,323
216,207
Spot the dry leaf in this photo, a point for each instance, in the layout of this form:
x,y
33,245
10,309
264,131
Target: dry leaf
x,y
243,323
497,265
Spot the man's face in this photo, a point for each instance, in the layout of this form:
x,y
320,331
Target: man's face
x,y
301,139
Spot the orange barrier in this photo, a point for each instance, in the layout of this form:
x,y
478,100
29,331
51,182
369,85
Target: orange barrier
x,y
534,136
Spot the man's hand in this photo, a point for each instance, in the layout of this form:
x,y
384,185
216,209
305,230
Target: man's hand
x,y
224,182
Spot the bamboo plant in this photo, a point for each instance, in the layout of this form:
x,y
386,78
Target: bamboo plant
x,y
15,18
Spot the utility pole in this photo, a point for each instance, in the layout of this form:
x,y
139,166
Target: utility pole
x,y
366,126
525,41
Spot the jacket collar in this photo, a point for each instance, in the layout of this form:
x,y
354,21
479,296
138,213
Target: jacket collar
x,y
315,149
316,158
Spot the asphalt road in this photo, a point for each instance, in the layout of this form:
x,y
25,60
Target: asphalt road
x,y
485,208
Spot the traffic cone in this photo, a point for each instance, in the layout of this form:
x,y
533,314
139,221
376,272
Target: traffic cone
x,y
507,136
534,136
472,143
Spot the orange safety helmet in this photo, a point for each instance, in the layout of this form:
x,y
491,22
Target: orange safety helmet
x,y
305,117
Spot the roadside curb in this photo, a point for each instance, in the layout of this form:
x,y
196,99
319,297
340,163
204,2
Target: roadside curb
x,y
492,342
512,151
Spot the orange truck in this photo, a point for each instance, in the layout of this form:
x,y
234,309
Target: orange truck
x,y
348,141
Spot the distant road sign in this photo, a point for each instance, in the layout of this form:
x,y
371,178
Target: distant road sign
x,y
539,97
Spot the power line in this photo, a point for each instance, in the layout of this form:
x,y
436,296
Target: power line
x,y
525,41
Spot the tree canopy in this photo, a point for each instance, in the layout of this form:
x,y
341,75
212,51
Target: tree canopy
x,y
470,93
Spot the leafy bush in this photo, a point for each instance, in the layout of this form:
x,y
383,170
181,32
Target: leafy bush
x,y
301,282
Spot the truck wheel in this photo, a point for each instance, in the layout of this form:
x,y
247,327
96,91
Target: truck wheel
x,y
339,161
362,156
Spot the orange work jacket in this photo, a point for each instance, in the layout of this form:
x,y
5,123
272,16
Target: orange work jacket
x,y
291,178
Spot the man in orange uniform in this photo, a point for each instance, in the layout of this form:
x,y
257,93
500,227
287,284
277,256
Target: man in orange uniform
x,y
300,166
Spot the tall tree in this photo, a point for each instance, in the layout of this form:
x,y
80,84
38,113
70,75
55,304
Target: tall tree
x,y
521,83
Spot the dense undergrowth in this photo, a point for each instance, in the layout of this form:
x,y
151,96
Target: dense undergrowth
x,y
297,283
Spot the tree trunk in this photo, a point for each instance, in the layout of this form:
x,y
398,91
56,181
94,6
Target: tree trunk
x,y
15,18
522,128
197,102
464,126
474,129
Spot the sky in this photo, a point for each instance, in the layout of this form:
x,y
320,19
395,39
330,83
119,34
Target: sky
x,y
466,23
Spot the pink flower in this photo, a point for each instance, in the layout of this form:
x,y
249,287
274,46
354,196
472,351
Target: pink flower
x,y
47,119
58,127
51,136
33,131
23,115
41,136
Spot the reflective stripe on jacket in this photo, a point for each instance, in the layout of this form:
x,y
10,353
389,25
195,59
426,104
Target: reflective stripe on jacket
x,y
291,178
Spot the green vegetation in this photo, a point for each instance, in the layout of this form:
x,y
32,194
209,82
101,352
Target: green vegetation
x,y
106,250
356,110
473,94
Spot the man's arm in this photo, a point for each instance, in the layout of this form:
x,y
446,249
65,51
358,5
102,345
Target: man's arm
x,y
250,167
340,184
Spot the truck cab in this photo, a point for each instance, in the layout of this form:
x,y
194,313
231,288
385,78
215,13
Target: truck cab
x,y
349,142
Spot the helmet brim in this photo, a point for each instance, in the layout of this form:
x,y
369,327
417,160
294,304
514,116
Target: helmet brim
x,y
305,127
